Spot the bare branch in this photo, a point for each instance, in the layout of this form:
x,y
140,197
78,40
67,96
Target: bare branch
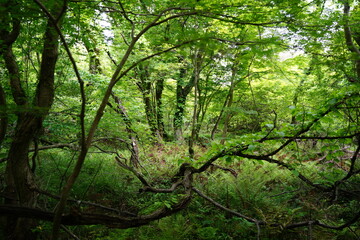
x,y
134,171
271,130
58,145
153,55
69,232
353,159
82,218
128,19
323,225
232,171
82,202
307,127
218,205
182,179
289,226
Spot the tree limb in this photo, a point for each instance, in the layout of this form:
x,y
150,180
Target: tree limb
x,y
218,205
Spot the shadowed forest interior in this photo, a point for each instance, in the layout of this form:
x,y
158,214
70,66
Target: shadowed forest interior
x,y
186,119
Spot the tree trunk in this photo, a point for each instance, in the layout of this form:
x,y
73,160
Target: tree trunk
x,y
219,117
19,177
227,104
94,61
145,87
95,68
229,112
351,35
197,62
182,91
120,109
3,115
159,111
204,101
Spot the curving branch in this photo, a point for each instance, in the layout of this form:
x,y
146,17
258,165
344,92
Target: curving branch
x,y
182,178
76,218
307,127
6,40
134,171
87,203
218,205
241,149
127,18
132,135
353,220
154,55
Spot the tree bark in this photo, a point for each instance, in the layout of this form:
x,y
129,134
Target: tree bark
x,y
20,180
229,112
145,86
3,115
197,62
159,87
213,131
95,68
120,109
93,51
182,91
352,35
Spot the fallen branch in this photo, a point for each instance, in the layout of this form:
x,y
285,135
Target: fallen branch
x,y
289,226
82,218
218,205
232,171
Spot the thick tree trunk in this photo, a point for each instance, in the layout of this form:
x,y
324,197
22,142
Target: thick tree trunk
x,y
149,111
20,179
204,103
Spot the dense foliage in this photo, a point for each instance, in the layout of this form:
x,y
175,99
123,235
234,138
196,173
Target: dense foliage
x,y
180,119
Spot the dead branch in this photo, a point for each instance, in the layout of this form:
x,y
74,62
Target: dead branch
x,y
289,226
232,171
218,205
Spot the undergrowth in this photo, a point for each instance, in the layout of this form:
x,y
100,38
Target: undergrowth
x,y
260,190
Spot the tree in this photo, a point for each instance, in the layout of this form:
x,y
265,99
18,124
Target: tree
x,y
201,37
19,174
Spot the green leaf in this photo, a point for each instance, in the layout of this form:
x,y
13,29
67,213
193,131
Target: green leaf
x,y
229,159
252,147
295,172
281,134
